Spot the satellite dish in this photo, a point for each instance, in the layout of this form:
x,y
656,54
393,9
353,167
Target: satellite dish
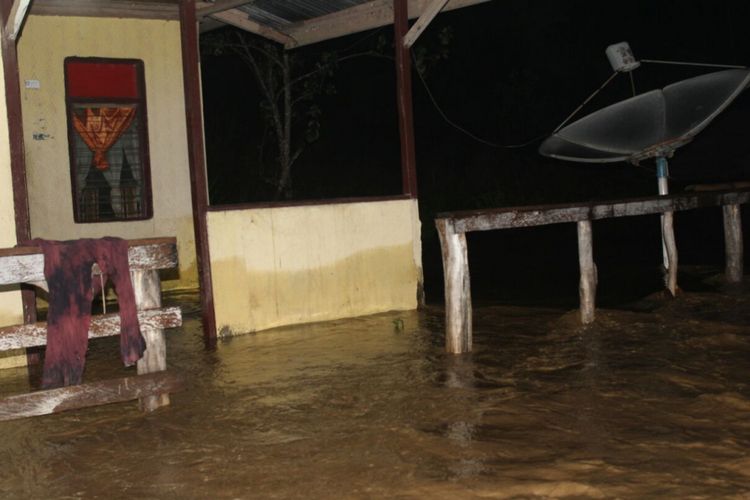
x,y
649,125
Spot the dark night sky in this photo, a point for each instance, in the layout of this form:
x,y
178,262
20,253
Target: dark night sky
x,y
515,70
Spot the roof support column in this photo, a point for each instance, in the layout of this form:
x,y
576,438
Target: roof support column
x,y
197,162
15,132
404,98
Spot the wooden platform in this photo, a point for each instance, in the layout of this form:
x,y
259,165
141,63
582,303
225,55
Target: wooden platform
x,y
453,226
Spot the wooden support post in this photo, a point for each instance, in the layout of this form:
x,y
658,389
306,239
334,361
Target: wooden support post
x,y
733,243
404,98
588,281
197,163
147,288
457,288
670,246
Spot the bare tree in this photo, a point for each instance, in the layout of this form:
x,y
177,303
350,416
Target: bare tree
x,y
288,85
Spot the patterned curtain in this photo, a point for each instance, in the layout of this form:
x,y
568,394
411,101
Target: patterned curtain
x,y
100,128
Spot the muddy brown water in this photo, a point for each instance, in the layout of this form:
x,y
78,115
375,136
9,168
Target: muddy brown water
x,y
651,401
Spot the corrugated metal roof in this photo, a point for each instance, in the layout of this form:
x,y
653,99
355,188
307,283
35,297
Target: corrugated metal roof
x,y
293,23
279,14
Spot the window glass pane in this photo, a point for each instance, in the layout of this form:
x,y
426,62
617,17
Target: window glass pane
x,y
109,172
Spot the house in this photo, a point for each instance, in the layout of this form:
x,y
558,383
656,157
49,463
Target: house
x,y
104,137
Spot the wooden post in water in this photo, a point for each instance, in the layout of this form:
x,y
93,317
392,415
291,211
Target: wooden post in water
x,y
669,245
457,288
733,243
147,288
588,281
670,279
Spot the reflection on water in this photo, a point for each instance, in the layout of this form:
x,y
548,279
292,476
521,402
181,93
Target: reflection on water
x,y
649,401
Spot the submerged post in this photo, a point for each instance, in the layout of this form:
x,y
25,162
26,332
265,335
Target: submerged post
x,y
669,245
587,286
733,243
457,288
147,288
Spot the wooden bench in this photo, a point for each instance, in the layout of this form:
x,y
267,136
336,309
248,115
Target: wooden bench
x,y
151,386
453,226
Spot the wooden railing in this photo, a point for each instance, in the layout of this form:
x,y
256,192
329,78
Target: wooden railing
x,y
151,386
453,226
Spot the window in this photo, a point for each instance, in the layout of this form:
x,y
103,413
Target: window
x,y
108,139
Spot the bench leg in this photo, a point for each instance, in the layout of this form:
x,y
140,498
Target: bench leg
x,y
457,289
733,243
147,289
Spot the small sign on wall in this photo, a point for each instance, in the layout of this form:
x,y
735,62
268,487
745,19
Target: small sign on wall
x,y
32,84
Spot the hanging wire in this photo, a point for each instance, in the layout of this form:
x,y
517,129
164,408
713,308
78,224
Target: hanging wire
x,y
681,63
632,82
462,129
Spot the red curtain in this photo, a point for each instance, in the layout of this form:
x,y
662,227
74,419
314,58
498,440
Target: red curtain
x,y
100,128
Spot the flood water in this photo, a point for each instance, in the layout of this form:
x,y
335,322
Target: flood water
x,y
651,401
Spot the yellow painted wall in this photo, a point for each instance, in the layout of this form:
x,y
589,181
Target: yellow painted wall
x,y
11,311
45,43
287,265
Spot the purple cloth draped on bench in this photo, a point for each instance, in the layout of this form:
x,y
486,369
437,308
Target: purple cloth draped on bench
x,y
67,269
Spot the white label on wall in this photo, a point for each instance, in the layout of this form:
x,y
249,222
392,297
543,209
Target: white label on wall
x,y
32,84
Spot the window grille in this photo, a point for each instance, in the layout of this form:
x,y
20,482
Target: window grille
x,y
109,157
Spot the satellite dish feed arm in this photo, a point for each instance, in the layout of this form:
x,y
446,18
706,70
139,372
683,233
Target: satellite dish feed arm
x,y
705,65
575,111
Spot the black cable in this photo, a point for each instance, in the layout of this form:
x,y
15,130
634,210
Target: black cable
x,y
462,129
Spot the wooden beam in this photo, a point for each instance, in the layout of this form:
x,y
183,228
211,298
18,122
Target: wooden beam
x,y
424,20
501,218
90,394
359,18
17,155
16,18
105,325
239,19
197,162
105,8
210,24
218,6
404,100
